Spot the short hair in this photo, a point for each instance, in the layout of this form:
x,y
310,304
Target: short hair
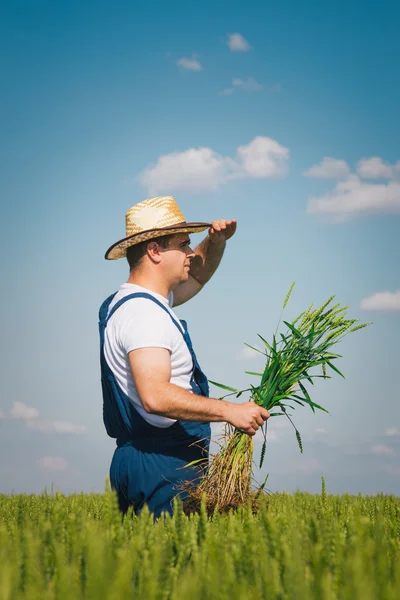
x,y
135,253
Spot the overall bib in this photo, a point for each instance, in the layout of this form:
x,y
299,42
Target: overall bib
x,y
149,461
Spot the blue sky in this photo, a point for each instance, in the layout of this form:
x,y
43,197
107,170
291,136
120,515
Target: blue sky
x,y
284,117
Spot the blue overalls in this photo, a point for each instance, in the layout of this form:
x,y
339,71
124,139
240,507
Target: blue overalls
x,y
148,463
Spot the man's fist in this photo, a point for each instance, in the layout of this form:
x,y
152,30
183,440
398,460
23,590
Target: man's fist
x,y
248,417
222,230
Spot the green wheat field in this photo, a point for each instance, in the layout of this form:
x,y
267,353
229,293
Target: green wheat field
x,y
298,546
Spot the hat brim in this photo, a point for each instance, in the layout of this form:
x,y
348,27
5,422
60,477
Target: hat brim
x,y
118,250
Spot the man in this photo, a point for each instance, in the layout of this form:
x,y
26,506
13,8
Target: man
x,y
155,396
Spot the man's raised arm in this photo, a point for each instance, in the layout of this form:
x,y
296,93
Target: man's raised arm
x,y
208,255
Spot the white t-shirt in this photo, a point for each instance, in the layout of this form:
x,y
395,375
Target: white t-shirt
x,y
141,323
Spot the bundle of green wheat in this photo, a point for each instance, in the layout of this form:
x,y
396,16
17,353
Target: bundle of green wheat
x,y
293,359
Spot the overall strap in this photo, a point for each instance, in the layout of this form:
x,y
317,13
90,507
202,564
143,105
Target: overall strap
x,y
142,295
197,375
103,316
104,308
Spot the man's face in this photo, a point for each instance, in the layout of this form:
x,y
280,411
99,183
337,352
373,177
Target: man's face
x,y
177,257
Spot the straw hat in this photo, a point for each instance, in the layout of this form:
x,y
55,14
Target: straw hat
x,y
150,219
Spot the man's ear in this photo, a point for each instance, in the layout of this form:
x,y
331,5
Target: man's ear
x,y
153,252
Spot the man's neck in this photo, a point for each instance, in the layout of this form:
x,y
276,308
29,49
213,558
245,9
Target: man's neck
x,y
150,283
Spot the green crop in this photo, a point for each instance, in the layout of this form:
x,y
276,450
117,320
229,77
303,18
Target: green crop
x,y
300,546
293,359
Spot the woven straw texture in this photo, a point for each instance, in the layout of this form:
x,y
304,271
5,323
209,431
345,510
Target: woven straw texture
x,y
152,218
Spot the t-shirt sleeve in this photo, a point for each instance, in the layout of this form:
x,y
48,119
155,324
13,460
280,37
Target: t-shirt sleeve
x,y
143,324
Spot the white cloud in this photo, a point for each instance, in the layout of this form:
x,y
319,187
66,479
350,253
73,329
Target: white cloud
x,y
190,64
382,301
320,431
193,169
353,196
30,416
392,432
21,411
56,427
202,168
2,415
382,450
53,463
247,353
226,92
263,157
249,84
329,168
375,168
237,43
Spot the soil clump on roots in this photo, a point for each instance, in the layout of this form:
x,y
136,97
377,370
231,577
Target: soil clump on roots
x,y
225,484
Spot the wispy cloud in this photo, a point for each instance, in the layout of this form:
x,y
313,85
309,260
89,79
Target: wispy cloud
x,y
392,432
329,168
383,450
53,463
56,427
247,353
249,84
2,415
226,92
376,168
190,64
21,411
31,417
382,301
202,168
237,43
352,195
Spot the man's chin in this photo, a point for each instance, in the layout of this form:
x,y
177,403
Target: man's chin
x,y
185,276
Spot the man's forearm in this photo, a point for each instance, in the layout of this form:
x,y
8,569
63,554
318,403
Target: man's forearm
x,y
205,263
176,403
